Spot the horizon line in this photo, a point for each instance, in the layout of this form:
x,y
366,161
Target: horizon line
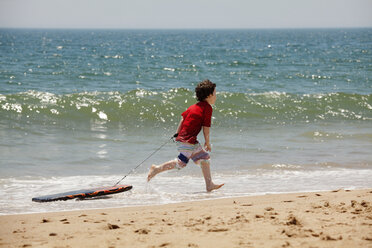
x,y
257,28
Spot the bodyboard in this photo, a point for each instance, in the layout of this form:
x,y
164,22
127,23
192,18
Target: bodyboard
x,y
83,193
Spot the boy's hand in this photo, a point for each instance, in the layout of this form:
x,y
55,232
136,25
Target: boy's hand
x,y
207,147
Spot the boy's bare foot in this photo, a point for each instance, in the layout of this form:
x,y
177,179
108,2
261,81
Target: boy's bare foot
x,y
153,171
214,187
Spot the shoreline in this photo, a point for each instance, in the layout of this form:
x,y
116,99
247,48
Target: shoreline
x,y
338,218
181,202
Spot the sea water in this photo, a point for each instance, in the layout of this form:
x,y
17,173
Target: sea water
x,y
82,108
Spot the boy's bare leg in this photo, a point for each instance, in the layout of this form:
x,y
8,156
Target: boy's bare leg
x,y
208,178
155,169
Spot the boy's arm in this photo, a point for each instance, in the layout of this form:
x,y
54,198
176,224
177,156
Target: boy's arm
x,y
179,126
207,145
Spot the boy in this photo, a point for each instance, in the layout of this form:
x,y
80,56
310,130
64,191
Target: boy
x,y
195,118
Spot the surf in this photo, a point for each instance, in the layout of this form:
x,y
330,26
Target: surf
x,y
152,107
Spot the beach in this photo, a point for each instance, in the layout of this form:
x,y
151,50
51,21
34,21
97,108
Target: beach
x,y
337,218
80,109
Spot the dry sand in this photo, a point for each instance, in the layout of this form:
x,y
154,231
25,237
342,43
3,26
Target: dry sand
x,y
319,219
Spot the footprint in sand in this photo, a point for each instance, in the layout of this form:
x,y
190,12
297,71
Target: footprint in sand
x,y
112,226
292,220
218,230
286,244
65,221
290,233
329,238
142,231
364,204
192,245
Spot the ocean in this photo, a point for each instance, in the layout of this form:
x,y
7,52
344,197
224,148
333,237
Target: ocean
x,y
82,108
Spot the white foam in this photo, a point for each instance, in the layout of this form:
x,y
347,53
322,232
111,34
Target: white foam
x,y
171,187
12,106
102,115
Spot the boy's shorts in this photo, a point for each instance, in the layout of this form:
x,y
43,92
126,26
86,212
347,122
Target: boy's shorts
x,y
190,151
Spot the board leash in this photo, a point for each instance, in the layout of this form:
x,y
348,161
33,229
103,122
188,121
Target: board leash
x,y
130,172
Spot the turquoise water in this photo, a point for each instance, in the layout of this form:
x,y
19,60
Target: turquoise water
x,y
81,108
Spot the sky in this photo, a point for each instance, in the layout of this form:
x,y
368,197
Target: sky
x,y
185,14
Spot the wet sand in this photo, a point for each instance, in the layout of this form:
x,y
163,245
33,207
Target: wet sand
x,y
336,218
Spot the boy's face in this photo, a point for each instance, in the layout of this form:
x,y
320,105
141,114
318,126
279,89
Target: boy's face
x,y
213,97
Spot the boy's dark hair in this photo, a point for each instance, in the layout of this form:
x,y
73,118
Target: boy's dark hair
x,y
204,89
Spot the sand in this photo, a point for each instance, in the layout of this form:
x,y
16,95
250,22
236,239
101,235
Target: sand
x,y
340,218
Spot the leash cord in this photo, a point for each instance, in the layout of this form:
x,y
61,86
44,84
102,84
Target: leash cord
x,y
130,172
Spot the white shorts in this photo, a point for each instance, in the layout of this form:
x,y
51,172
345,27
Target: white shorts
x,y
190,151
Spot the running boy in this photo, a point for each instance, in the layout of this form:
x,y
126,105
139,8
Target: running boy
x,y
195,118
